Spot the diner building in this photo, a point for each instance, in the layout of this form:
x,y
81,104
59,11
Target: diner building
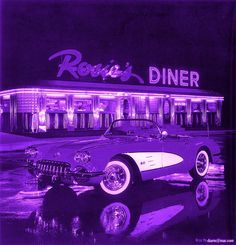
x,y
73,106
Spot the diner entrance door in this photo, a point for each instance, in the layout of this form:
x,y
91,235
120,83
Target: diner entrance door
x,y
166,111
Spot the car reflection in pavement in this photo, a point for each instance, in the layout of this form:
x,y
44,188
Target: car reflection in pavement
x,y
152,208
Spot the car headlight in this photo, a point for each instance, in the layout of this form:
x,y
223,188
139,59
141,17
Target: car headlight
x,y
82,157
31,151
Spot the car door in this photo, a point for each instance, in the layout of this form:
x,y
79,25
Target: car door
x,y
175,149
147,153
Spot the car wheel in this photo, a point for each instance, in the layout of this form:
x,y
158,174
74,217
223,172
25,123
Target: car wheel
x,y
118,177
201,165
202,194
115,218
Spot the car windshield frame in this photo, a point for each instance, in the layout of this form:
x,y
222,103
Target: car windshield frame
x,y
108,132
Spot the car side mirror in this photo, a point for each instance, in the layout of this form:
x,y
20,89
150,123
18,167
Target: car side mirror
x,y
164,134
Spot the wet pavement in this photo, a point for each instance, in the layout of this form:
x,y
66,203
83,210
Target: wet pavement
x,y
169,210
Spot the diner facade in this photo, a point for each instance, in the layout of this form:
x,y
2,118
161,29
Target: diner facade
x,y
76,106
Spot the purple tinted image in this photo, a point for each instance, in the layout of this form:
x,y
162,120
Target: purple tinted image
x,y
117,122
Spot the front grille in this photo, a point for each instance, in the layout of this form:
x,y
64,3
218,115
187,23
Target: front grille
x,y
52,167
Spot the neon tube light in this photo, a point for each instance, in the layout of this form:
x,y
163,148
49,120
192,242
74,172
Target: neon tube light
x,y
211,100
6,97
82,96
74,92
196,100
107,97
55,95
180,99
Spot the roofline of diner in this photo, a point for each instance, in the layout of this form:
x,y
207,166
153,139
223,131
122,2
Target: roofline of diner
x,y
101,86
107,93
124,87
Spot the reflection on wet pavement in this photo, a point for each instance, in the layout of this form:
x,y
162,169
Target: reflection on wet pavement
x,y
64,210
156,211
214,178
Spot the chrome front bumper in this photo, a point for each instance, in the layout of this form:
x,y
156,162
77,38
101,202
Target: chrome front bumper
x,y
61,171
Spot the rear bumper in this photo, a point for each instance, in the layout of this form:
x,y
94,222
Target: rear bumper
x,y
66,176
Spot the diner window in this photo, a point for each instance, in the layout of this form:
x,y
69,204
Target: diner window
x,y
107,106
211,114
6,106
196,114
180,107
211,107
83,105
180,113
196,107
55,104
140,105
154,105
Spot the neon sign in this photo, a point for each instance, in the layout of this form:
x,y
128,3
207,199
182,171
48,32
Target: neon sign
x,y
175,77
72,63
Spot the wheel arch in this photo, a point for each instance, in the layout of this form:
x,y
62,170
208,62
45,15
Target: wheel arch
x,y
133,164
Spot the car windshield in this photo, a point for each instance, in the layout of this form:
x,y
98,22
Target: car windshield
x,y
133,127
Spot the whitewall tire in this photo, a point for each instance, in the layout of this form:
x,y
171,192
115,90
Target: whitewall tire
x,y
201,165
118,178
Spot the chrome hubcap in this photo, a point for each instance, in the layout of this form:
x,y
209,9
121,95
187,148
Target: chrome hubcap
x,y
114,178
202,194
201,163
114,219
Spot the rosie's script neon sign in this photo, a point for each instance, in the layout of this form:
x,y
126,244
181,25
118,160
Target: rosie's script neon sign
x,y
72,63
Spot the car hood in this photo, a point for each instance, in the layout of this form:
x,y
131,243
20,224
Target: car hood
x,y
80,145
70,144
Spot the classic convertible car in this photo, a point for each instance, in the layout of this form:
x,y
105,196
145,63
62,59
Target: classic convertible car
x,y
130,151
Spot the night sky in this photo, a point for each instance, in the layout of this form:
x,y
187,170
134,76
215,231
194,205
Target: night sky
x,y
192,35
